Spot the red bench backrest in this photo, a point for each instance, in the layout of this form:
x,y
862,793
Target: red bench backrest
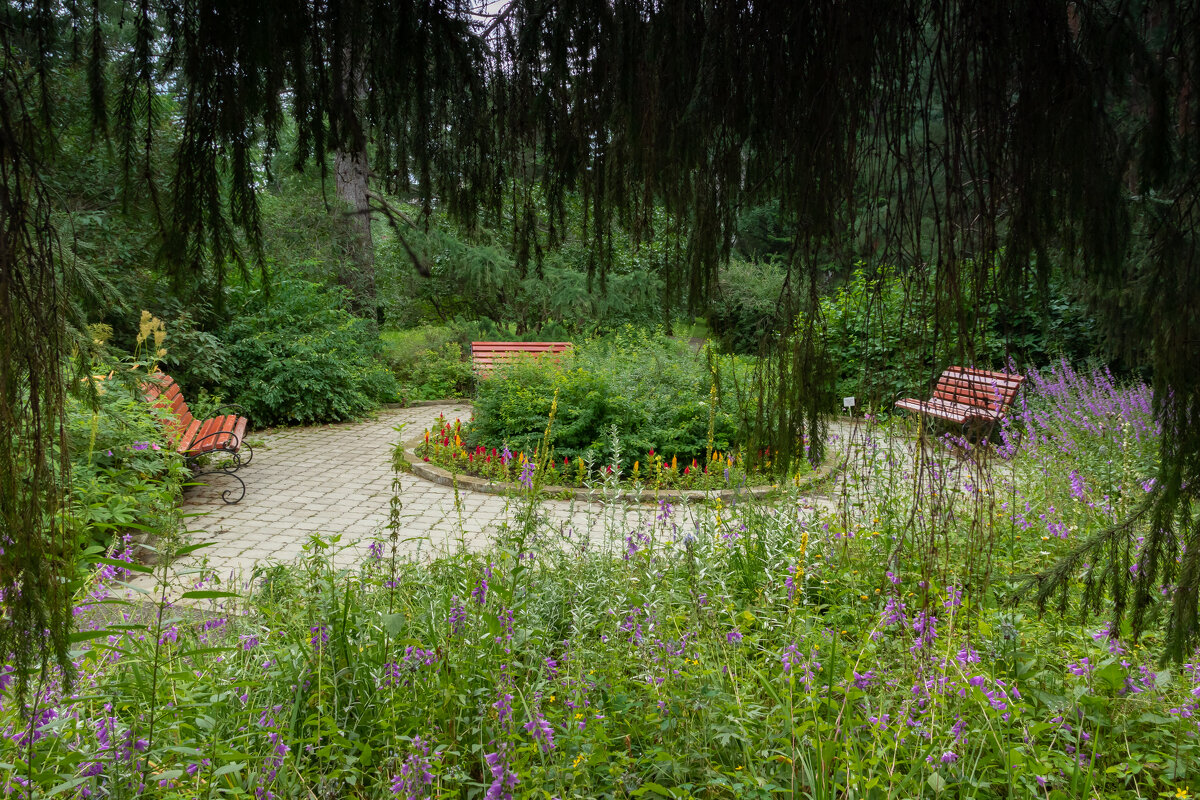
x,y
487,356
163,392
978,387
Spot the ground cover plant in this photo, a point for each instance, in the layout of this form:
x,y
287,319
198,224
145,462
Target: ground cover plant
x,y
859,645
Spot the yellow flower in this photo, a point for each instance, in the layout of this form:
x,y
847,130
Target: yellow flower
x,y
1181,793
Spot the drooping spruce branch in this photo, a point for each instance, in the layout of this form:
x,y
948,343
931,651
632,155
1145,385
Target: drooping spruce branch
x,y
945,133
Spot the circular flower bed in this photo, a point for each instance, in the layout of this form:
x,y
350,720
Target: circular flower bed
x,y
445,444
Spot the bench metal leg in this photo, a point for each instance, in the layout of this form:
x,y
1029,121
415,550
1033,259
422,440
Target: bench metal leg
x,y
225,469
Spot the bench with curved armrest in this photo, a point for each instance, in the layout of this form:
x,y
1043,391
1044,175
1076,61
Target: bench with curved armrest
x,y
222,436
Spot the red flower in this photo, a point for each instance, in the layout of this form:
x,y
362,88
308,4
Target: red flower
x,y
652,452
686,470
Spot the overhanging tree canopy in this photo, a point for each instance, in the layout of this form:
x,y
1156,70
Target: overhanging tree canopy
x,y
959,134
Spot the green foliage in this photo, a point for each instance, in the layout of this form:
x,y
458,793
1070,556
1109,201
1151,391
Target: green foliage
x,y
299,357
428,363
745,308
880,330
762,233
123,471
195,358
653,389
475,275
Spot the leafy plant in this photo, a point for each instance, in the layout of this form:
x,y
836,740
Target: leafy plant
x,y
300,357
654,390
124,473
428,363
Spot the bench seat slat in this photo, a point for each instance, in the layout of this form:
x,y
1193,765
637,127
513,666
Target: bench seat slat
x,y
185,440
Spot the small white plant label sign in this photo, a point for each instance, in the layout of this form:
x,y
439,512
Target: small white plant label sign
x,y
848,402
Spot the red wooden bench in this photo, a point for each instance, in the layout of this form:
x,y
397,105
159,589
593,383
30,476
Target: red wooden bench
x,y
193,438
487,356
972,398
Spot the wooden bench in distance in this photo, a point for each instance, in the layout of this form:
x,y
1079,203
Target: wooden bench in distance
x,y
193,438
487,356
972,398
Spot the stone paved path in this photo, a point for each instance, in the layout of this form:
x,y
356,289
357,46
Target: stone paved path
x,y
337,480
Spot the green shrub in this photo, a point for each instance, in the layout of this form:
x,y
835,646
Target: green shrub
x,y
428,363
656,391
123,472
196,358
745,306
299,357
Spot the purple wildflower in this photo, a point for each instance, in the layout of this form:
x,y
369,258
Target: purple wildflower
x,y
458,617
480,592
320,636
416,775
541,731
504,780
526,477
503,706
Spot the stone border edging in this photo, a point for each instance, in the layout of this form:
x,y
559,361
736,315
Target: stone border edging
x,y
423,469
450,401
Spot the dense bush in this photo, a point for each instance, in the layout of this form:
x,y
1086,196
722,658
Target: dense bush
x,y
428,363
655,391
745,306
298,356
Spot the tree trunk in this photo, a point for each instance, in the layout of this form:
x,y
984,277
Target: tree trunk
x,y
357,272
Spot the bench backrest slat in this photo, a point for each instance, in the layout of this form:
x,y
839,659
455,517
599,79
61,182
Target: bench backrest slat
x,y
976,387
487,356
163,392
